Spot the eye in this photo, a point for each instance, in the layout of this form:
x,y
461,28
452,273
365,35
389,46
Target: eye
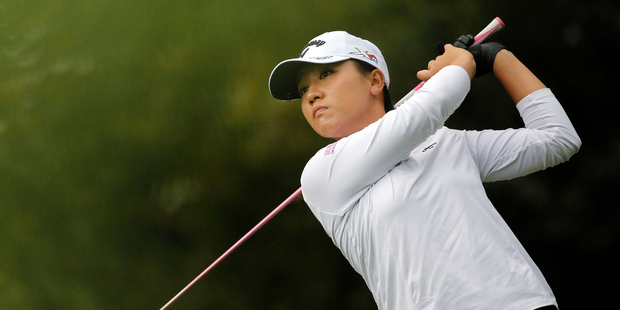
x,y
325,73
303,90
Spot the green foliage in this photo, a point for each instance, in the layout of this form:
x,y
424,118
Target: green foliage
x,y
138,141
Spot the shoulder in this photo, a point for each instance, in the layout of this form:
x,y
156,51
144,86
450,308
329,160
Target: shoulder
x,y
316,171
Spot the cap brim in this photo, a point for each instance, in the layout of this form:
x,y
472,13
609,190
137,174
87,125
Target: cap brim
x,y
283,79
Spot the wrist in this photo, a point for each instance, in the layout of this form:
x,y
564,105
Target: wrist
x,y
467,62
503,60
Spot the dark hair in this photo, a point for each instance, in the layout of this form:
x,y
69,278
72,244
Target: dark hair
x,y
365,67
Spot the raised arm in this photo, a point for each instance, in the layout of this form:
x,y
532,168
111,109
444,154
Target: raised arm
x,y
338,175
548,138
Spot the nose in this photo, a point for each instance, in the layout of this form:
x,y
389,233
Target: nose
x,y
313,99
313,94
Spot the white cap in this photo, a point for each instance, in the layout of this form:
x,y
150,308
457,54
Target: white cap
x,y
329,47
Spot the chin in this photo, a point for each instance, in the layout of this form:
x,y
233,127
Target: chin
x,y
331,132
334,136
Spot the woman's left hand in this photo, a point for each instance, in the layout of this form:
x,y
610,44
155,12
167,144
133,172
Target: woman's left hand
x,y
451,56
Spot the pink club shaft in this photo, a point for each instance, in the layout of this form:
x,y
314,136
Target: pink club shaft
x,y
237,244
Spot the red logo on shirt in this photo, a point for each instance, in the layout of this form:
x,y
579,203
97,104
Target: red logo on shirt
x,y
329,150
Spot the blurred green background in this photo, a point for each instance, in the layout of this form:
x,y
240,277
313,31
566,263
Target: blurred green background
x,y
138,142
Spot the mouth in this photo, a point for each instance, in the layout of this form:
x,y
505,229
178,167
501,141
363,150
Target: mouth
x,y
318,111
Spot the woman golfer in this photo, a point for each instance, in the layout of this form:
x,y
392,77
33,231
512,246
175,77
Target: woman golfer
x,y
401,195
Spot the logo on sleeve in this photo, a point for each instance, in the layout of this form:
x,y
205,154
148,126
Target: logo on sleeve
x,y
330,149
429,147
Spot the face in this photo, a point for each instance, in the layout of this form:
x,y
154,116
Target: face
x,y
338,100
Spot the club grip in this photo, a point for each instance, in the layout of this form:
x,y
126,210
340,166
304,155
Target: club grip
x,y
494,26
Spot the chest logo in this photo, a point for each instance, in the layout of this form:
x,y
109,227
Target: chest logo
x,y
330,149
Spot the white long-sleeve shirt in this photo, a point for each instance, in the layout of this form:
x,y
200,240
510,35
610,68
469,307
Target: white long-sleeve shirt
x,y
403,200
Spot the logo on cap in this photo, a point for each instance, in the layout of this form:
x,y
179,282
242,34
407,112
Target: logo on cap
x,y
365,54
316,43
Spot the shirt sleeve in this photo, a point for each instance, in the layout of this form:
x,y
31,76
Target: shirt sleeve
x,y
548,139
336,177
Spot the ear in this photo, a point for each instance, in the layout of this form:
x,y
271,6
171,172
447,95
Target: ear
x,y
377,80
